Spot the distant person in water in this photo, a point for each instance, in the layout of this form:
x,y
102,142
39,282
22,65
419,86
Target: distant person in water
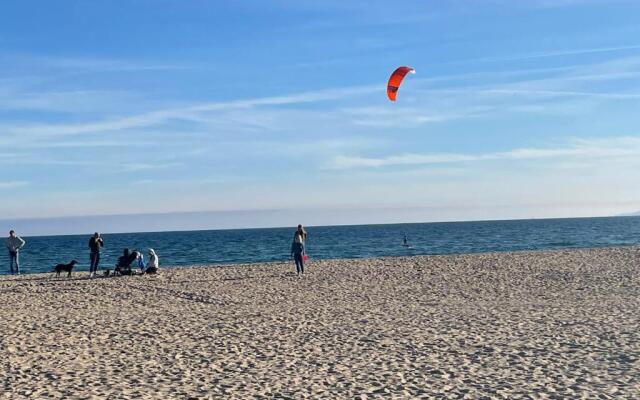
x,y
14,244
300,231
153,264
405,241
95,244
298,252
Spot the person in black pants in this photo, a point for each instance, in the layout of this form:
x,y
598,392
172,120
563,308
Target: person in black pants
x,y
95,243
298,252
14,243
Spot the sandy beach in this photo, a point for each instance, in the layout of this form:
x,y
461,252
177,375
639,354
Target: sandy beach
x,y
558,324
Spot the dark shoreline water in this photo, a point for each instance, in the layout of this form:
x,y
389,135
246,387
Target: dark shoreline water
x,y
324,242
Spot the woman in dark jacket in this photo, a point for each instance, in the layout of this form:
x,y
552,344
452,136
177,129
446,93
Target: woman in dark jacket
x,y
95,244
298,252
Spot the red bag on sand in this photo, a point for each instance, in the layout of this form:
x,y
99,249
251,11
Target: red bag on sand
x,y
305,258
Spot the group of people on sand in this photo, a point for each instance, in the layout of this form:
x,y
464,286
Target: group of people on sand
x,y
15,243
136,259
126,263
132,260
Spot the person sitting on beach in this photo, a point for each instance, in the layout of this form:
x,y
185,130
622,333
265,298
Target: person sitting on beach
x,y
123,266
138,258
154,263
298,252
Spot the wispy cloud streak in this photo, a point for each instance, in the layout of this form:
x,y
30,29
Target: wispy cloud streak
x,y
618,147
88,63
13,184
188,113
547,54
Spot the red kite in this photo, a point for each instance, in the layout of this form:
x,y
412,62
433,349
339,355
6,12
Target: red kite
x,y
396,79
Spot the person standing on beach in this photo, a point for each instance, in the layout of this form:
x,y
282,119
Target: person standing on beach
x,y
14,243
300,231
95,243
298,252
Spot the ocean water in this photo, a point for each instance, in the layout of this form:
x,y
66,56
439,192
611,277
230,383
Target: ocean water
x,y
324,242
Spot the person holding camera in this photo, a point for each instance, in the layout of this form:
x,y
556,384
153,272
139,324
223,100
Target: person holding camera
x,y
95,244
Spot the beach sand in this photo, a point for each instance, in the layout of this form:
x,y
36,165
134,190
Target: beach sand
x,y
559,324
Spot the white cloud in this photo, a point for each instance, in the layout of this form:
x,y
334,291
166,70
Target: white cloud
x,y
132,167
192,112
72,102
546,54
13,184
87,63
441,103
600,148
558,93
82,144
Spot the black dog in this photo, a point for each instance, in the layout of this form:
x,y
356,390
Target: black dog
x,y
65,267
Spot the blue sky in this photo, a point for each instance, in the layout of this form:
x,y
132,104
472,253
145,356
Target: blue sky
x,y
517,109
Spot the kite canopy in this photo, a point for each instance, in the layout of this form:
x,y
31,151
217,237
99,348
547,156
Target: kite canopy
x,y
396,79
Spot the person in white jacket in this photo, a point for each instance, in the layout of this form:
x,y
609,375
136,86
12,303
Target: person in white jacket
x,y
14,243
154,263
